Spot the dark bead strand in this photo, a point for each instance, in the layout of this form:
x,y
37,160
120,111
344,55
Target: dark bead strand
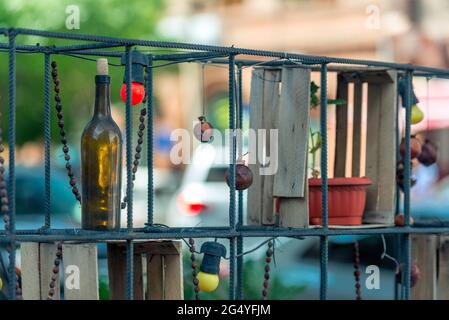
x,y
138,154
55,270
356,255
5,210
65,148
194,272
266,276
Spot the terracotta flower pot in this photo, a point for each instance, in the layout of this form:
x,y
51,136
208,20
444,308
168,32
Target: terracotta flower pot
x,y
346,200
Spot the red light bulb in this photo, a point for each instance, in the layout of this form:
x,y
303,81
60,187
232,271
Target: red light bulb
x,y
137,93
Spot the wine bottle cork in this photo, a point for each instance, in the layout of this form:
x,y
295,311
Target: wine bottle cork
x,y
102,67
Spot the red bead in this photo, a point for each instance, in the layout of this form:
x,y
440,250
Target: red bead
x,y
137,93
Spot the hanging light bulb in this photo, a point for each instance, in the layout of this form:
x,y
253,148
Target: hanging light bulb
x,y
138,61
417,114
208,279
137,93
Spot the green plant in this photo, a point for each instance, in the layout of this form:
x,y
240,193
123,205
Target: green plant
x,y
315,136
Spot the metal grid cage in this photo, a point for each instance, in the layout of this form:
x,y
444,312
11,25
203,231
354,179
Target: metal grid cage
x,y
236,231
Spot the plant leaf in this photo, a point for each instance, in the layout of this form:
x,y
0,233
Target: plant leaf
x,y
336,101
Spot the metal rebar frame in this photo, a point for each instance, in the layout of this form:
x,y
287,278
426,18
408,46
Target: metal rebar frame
x,y
236,231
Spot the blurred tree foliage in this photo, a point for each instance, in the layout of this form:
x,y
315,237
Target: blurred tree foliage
x,y
130,19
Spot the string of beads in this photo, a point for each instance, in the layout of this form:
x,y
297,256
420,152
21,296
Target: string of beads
x,y
5,210
356,256
62,133
55,271
138,154
266,281
194,272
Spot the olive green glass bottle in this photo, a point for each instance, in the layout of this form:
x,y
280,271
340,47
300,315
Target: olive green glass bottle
x,y
101,158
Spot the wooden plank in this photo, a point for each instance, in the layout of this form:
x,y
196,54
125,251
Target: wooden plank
x,y
424,248
357,129
163,247
381,153
80,271
264,103
341,128
270,121
117,273
174,282
254,207
443,270
47,255
294,212
293,133
379,76
155,275
29,257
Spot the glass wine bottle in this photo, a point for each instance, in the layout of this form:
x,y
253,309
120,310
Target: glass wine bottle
x,y
101,155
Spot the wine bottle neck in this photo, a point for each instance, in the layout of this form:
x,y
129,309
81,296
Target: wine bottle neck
x,y
102,96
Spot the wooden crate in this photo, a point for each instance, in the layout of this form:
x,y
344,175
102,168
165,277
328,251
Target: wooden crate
x,y
163,262
381,136
280,99
79,269
431,254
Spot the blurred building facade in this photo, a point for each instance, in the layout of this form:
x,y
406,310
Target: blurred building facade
x,y
410,31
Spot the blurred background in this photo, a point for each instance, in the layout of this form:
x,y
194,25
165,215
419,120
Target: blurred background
x,y
408,31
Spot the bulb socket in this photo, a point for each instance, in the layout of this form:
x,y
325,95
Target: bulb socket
x,y
401,91
213,251
138,62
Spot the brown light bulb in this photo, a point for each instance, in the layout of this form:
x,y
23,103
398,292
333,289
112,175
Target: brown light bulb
x,y
243,176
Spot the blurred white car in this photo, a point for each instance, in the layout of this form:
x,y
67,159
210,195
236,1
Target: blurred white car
x,y
165,183
203,197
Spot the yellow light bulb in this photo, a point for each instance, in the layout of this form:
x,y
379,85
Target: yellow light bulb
x,y
1,284
207,282
417,114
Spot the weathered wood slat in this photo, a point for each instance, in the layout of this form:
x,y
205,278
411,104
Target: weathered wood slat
x,y
293,133
424,249
341,128
381,153
443,263
374,76
174,282
165,275
270,121
80,271
29,256
357,129
264,103
254,208
155,284
117,272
